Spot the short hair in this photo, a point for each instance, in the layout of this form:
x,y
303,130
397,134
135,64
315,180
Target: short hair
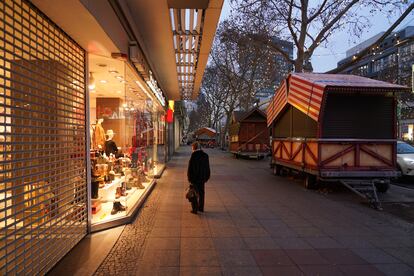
x,y
196,145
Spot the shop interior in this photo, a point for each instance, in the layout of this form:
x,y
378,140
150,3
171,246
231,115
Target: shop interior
x,y
127,138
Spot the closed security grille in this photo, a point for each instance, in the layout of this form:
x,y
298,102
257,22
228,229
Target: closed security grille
x,y
43,198
358,117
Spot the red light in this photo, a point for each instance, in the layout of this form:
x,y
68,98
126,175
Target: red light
x,y
170,116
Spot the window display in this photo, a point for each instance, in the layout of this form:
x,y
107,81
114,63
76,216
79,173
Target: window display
x,y
124,144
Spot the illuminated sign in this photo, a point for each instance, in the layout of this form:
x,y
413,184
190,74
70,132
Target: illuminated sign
x,y
171,105
170,116
152,83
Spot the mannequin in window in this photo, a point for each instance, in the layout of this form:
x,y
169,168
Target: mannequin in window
x,y
98,138
110,146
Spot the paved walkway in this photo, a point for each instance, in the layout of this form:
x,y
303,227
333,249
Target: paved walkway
x,y
257,224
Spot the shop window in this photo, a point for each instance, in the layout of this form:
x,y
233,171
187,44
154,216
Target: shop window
x,y
127,140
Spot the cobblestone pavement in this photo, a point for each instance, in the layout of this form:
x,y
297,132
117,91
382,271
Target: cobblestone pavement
x,y
257,224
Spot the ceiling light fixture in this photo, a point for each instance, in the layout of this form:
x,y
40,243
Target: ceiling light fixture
x,y
103,81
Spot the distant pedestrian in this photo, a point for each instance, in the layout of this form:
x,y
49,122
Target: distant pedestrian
x,y
198,174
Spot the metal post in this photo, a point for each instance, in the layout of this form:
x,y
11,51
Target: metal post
x,y
88,144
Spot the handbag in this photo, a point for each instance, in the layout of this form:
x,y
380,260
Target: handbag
x,y
191,193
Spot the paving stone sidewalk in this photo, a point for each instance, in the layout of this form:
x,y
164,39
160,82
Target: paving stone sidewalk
x,y
257,224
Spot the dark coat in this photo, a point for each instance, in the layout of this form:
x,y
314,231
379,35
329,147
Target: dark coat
x,y
110,147
198,167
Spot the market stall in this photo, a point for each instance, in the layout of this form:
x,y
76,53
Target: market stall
x,y
249,135
336,128
206,136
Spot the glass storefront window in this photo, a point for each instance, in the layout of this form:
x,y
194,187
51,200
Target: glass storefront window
x,y
125,139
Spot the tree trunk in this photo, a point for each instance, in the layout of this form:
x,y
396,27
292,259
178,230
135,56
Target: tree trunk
x,y
299,61
226,127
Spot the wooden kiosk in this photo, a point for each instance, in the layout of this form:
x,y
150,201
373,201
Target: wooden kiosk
x,y
336,128
206,136
249,135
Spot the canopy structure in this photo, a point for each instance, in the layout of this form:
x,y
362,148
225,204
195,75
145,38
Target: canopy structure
x,y
305,91
168,41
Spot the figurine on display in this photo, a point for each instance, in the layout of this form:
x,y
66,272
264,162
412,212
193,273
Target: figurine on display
x,y
95,179
110,145
98,137
121,191
118,207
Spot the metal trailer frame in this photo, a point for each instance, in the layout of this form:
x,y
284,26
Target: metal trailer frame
x,y
249,155
359,179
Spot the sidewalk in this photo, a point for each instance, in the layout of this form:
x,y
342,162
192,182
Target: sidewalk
x,y
257,224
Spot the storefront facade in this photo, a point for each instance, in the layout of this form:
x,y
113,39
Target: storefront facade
x,y
82,128
73,159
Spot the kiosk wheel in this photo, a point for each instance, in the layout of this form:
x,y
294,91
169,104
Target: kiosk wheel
x,y
382,187
310,181
277,170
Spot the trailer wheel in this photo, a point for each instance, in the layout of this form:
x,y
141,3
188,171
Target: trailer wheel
x,y
277,170
382,187
310,181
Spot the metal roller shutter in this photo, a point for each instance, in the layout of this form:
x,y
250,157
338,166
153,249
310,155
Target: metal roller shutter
x,y
358,116
43,200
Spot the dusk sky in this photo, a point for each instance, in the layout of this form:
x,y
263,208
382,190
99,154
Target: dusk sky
x,y
325,59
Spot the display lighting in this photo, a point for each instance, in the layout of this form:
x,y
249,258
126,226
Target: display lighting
x,y
171,105
103,81
91,85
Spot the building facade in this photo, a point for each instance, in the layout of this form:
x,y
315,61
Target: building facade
x,y
283,69
82,114
391,61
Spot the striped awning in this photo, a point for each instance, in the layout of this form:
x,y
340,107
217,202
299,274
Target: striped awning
x,y
278,102
305,96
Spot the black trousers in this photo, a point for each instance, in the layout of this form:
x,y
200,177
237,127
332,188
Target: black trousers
x,y
198,204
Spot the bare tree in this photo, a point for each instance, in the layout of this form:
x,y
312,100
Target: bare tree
x,y
201,117
310,23
240,68
212,89
194,123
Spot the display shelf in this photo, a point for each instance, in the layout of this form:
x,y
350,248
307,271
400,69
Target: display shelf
x,y
129,192
107,193
104,215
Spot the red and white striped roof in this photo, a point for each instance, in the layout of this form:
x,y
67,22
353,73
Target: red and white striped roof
x,y
278,102
306,90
